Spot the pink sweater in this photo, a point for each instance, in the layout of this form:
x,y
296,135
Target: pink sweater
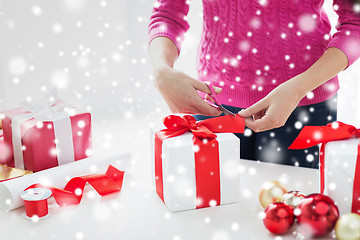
x,y
248,47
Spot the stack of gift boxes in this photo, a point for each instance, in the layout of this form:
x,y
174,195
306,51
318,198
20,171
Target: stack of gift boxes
x,y
42,135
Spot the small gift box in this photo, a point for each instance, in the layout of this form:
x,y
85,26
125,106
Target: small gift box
x,y
45,135
339,162
192,166
6,154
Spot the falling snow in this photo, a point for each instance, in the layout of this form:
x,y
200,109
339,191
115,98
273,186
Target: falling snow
x,y
114,81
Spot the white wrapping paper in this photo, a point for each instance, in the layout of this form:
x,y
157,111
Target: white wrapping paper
x,y
57,177
179,170
340,162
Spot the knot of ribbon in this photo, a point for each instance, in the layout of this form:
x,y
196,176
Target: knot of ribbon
x,y
312,135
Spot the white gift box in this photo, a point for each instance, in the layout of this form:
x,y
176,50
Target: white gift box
x,y
340,165
178,169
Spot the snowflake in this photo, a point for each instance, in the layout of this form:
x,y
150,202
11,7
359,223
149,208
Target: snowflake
x,y
57,28
332,186
255,23
357,7
310,158
17,66
36,10
220,235
310,95
298,125
74,5
263,3
235,226
307,23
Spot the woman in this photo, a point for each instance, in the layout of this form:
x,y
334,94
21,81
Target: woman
x,y
274,62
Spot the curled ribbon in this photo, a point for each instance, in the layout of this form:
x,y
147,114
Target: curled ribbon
x,y
207,169
314,135
104,184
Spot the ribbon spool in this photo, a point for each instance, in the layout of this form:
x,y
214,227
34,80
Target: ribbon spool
x,y
35,200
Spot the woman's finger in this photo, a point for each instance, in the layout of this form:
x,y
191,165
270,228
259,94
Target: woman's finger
x,y
260,106
203,87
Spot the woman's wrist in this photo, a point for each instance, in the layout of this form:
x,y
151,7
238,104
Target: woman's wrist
x,y
160,70
299,86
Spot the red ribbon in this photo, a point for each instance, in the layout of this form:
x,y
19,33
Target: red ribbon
x,y
207,169
104,184
313,135
36,208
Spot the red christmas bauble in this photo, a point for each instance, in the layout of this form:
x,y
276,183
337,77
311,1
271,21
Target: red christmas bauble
x,y
317,215
279,217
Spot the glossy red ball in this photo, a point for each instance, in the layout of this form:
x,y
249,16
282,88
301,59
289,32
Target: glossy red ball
x,y
317,215
279,217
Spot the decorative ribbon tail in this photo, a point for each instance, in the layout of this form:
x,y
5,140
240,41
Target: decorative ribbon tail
x,y
309,136
224,124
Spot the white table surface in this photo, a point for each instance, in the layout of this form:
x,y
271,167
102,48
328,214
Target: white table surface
x,y
138,213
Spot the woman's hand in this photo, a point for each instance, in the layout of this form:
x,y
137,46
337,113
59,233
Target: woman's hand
x,y
273,110
180,92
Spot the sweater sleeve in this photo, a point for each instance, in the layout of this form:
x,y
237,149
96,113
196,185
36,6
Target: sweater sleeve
x,y
169,20
347,37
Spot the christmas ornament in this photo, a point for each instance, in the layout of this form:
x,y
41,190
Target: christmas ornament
x,y
348,227
279,217
292,198
271,192
317,215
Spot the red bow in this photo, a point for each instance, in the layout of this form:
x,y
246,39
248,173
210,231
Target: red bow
x,y
207,185
313,135
178,125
